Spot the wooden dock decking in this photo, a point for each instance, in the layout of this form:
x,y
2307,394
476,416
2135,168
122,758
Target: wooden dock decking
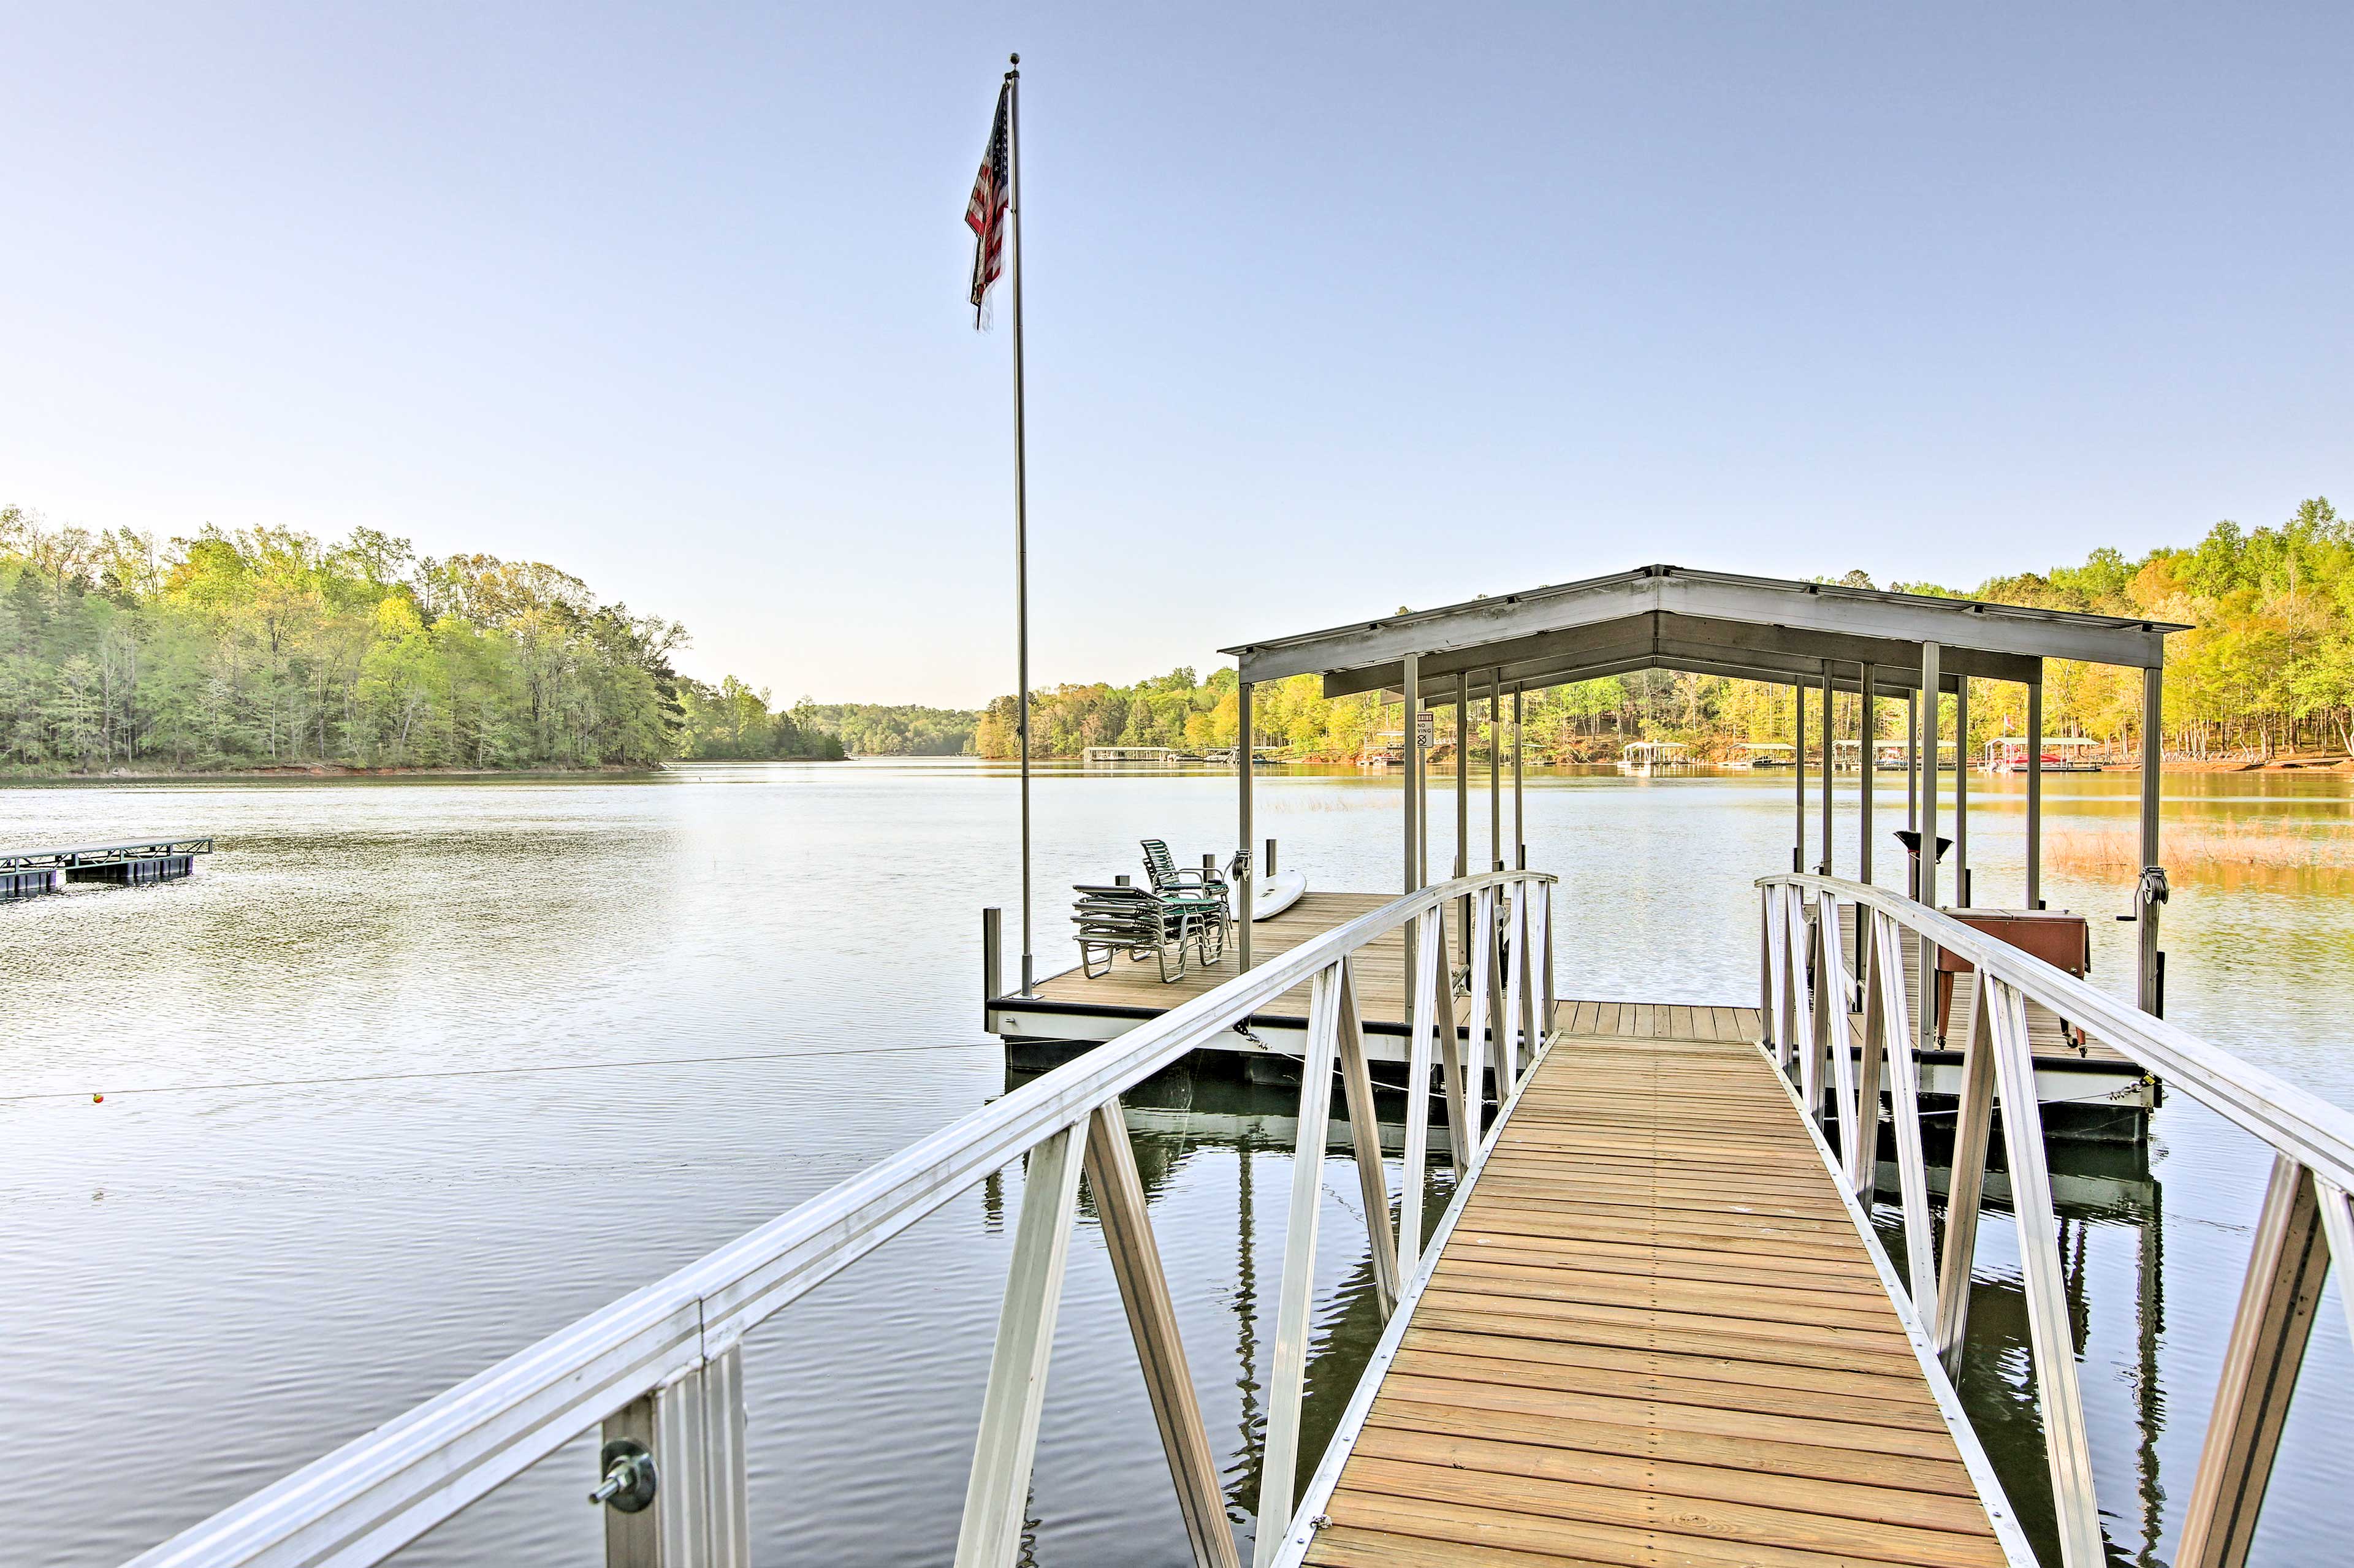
x,y
1380,967
1654,1336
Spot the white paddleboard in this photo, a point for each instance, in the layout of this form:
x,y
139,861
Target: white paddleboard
x,y
1274,894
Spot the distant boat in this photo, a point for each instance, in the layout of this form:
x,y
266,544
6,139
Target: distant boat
x,y
2060,754
1131,757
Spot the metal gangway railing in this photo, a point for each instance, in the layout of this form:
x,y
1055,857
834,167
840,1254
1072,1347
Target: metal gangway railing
x,y
661,1372
1812,999
84,855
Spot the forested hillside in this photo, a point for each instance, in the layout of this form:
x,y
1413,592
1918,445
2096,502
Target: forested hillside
x,y
268,648
2268,667
875,729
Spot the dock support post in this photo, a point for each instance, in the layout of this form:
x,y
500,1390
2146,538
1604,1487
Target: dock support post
x,y
1462,774
1153,1321
1409,698
1269,869
1912,764
1927,859
2035,790
1463,798
1287,1379
1830,754
996,1496
1365,1143
1962,791
1520,812
1868,746
2261,1359
2151,891
1244,828
993,960
694,1429
1495,778
1798,776
1417,866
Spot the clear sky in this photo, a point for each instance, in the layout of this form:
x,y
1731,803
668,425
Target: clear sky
x,y
1330,309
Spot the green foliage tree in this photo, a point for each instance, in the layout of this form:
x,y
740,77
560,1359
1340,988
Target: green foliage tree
x,y
267,647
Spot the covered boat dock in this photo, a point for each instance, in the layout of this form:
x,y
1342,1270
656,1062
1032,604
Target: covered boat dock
x,y
1483,656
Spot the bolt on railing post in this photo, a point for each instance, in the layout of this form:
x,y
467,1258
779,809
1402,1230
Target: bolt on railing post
x,y
693,1430
1476,1052
1904,1106
1965,1184
1417,1107
1286,1380
1551,994
1462,1101
1365,1142
1798,950
999,1488
1831,1012
2050,1336
2261,1360
1862,1161
2337,1225
1119,1191
1536,937
1518,1012
1765,897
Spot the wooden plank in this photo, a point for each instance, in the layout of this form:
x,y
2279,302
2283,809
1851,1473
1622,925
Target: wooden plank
x,y
1729,1398
1654,1336
1347,1546
1561,1364
1563,1540
1839,1497
1799,1528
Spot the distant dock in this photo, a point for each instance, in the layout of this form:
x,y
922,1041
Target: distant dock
x,y
28,871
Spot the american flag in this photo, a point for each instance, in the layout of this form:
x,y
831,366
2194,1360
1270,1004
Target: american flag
x,y
985,213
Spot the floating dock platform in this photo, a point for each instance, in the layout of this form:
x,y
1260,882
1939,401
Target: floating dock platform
x,y
2090,1090
28,871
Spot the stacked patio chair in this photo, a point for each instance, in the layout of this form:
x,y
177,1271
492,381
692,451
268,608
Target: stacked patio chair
x,y
1206,888
1144,923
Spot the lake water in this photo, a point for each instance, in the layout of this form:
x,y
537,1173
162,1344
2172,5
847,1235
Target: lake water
x,y
414,1072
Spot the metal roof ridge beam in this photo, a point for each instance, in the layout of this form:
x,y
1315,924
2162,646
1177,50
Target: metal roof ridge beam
x,y
1963,624
1460,630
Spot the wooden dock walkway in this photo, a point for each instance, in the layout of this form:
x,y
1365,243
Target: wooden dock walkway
x,y
1654,1336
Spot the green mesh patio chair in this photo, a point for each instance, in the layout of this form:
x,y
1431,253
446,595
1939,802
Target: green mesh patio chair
x,y
1143,924
1206,887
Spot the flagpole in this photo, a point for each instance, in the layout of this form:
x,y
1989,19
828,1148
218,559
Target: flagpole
x,y
1020,505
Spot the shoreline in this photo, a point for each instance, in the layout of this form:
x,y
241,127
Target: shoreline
x,y
306,772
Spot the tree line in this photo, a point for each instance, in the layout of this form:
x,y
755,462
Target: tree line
x,y
267,647
2266,667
